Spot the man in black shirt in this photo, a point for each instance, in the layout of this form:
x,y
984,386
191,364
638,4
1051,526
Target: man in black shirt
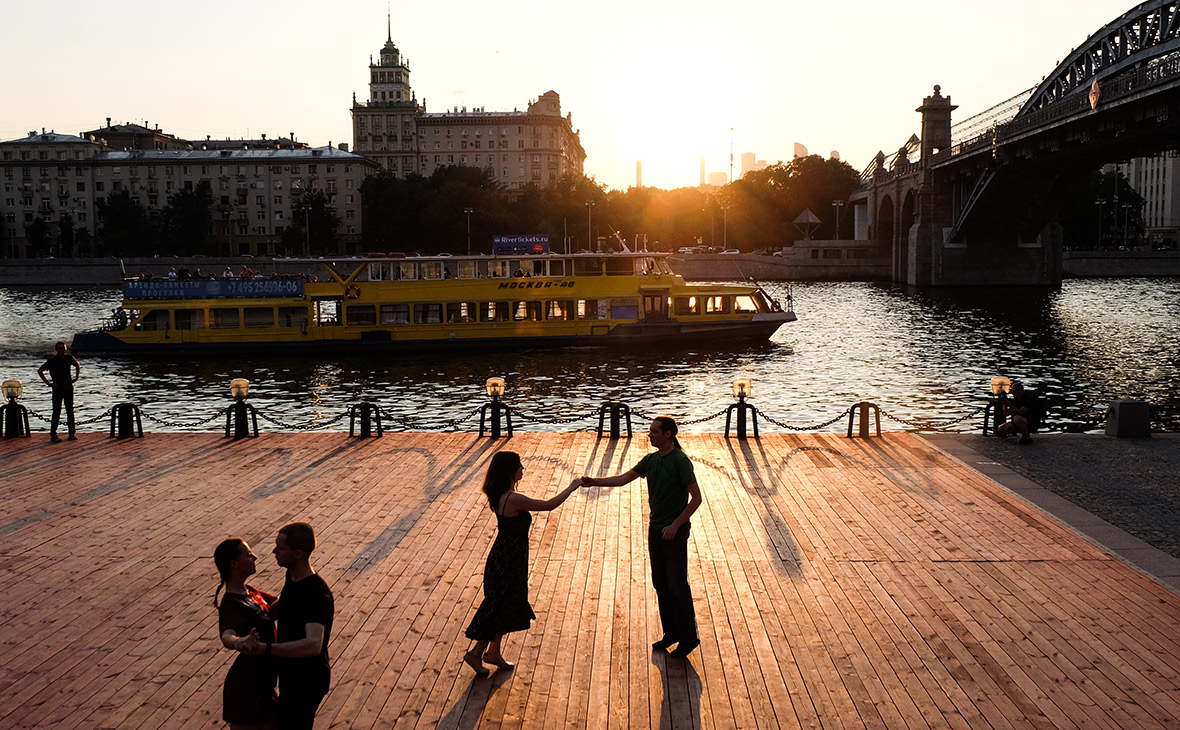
x,y
304,615
62,384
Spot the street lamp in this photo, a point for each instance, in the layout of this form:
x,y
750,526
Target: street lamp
x,y
837,204
468,211
724,228
589,225
1101,202
307,230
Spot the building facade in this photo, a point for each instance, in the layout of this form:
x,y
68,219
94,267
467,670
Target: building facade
x,y
519,148
1155,178
256,186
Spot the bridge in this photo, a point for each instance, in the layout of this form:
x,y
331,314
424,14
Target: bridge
x,y
976,203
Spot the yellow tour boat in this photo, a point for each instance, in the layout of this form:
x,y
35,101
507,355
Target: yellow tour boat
x,y
374,303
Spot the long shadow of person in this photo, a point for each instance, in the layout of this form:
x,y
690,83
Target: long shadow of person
x,y
468,710
681,707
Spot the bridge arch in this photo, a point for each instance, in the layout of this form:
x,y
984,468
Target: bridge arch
x,y
1149,31
886,231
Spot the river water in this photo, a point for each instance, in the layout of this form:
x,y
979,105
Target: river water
x,y
924,356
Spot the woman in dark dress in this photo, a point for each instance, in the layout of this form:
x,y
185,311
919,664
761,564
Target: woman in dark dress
x,y
505,606
249,693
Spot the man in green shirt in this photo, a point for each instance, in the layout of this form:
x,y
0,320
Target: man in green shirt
x,y
673,495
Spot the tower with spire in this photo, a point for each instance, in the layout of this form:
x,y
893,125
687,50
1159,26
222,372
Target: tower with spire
x,y
384,128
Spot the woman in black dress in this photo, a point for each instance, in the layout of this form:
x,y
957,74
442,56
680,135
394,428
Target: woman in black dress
x,y
249,693
505,604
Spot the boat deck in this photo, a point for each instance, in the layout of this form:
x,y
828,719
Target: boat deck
x,y
840,583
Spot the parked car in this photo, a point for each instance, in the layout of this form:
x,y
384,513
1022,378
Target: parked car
x,y
731,250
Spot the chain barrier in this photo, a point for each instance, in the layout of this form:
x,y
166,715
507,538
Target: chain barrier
x,y
86,422
176,424
411,424
539,419
679,422
814,427
932,425
303,427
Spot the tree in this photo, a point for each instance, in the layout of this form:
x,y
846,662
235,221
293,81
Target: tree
x,y
38,237
185,221
315,225
124,226
66,235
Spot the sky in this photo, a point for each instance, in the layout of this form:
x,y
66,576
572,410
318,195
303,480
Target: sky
x,y
668,83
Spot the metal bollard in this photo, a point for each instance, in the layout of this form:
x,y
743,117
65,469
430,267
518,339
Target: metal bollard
x,y
368,412
617,412
864,407
126,421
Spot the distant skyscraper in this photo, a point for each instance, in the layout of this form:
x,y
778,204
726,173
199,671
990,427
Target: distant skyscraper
x,y
718,179
749,162
702,172
639,173
800,150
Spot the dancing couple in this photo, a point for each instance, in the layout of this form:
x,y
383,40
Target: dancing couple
x,y
673,496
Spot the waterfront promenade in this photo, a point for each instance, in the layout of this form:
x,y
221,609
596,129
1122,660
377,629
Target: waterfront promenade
x,y
840,583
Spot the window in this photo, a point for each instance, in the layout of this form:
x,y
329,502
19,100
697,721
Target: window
x,y
685,305
716,305
587,267
527,311
744,304
591,309
259,317
624,309
494,312
560,310
427,313
395,314
292,316
462,311
223,319
360,315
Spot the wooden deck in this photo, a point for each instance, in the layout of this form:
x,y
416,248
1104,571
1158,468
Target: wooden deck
x,y
839,584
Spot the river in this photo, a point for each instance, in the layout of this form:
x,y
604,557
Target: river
x,y
922,355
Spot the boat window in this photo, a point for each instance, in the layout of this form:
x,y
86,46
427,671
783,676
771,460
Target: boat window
x,y
377,272
685,305
587,267
518,268
462,312
259,317
560,310
620,266
662,267
467,269
405,270
431,270
223,319
624,309
527,312
189,319
360,315
427,313
539,267
395,314
717,305
744,304
557,267
327,312
591,309
154,319
498,269
494,312
292,316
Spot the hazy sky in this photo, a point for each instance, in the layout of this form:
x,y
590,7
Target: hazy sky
x,y
651,80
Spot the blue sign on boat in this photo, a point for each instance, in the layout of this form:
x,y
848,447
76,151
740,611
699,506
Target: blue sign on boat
x,y
213,289
520,245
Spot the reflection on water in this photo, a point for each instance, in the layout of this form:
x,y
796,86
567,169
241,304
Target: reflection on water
x,y
922,355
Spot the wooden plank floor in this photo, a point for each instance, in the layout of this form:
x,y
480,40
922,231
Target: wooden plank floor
x,y
839,584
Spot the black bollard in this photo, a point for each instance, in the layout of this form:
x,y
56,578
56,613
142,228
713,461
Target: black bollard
x,y
126,421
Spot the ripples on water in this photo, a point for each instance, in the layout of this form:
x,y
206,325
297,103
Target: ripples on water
x,y
922,355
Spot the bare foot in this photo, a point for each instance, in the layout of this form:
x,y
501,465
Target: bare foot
x,y
498,661
473,662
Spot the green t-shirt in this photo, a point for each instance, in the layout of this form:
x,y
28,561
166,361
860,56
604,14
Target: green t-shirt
x,y
667,478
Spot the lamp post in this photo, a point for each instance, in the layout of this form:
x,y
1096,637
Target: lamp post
x,y
590,225
1126,222
468,211
724,227
1101,202
742,388
495,389
15,418
306,230
837,204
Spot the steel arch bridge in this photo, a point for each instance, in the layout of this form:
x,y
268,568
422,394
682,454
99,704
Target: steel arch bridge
x,y
981,208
